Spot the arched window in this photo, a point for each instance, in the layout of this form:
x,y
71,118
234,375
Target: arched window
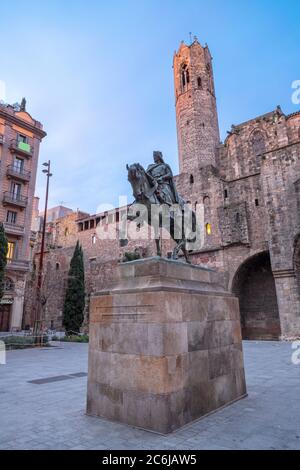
x,y
191,179
57,266
258,146
208,229
185,76
199,82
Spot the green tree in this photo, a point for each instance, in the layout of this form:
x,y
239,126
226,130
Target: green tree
x,y
3,257
73,313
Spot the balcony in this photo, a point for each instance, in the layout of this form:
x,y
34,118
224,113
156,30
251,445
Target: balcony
x,y
13,229
18,173
22,148
14,199
17,264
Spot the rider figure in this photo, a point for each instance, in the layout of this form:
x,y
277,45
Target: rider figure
x,y
159,172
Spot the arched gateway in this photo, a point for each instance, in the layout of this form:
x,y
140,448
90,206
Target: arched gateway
x,y
254,285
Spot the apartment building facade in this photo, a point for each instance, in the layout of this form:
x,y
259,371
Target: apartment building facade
x,y
20,137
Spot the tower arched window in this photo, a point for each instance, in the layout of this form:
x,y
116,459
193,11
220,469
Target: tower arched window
x,y
191,179
185,76
199,82
258,146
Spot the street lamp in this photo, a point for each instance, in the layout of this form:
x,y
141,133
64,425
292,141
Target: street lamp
x,y
38,320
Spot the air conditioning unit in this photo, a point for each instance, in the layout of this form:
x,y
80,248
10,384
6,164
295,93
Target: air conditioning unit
x,y
2,139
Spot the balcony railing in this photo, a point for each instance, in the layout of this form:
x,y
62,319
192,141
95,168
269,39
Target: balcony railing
x,y
21,147
17,264
18,173
13,229
14,199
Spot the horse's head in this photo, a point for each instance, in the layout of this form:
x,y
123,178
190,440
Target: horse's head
x,y
138,180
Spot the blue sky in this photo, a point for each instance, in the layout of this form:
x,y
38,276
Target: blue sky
x,y
98,74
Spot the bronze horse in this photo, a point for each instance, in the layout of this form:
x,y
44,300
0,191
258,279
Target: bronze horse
x,y
181,219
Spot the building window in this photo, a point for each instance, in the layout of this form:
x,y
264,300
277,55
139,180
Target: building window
x,y
199,82
237,218
15,190
258,146
19,164
185,76
57,266
11,217
256,202
11,250
22,138
225,193
8,285
191,179
208,229
94,239
86,225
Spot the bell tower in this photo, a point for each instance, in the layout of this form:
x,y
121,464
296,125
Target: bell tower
x,y
196,109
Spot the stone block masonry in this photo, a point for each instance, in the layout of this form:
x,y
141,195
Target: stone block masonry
x,y
165,346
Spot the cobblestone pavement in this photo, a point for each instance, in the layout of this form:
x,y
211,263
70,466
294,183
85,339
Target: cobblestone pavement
x,y
50,414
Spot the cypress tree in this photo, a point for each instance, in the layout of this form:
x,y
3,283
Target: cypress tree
x,y
3,259
73,313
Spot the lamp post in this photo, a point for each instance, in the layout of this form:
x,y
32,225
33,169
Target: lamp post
x,y
38,319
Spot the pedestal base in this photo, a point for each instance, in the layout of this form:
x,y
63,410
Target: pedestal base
x,y
165,346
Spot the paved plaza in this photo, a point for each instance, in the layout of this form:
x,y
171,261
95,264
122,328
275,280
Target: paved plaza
x,y
43,394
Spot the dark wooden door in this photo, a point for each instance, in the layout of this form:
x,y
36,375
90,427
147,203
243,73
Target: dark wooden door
x,y
5,312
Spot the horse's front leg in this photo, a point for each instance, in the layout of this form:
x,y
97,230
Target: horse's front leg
x,y
177,248
123,240
185,252
158,247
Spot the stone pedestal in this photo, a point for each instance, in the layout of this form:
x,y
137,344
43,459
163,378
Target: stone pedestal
x,y
165,346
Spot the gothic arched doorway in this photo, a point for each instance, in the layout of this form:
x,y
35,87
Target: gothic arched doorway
x,y
254,285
